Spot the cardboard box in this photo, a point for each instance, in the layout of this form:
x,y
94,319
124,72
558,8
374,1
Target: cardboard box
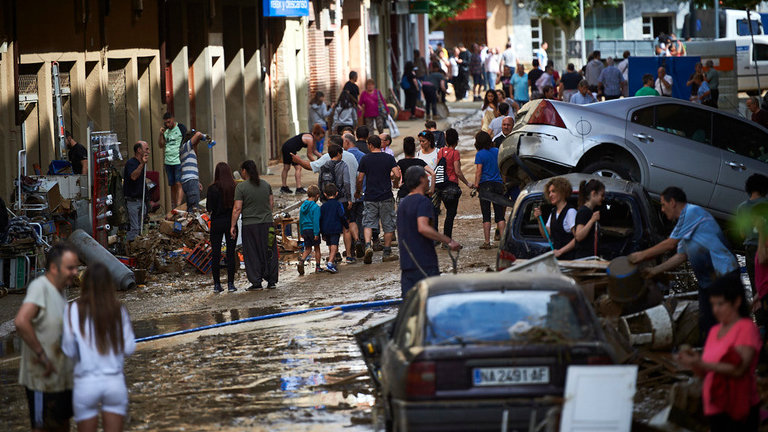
x,y
167,227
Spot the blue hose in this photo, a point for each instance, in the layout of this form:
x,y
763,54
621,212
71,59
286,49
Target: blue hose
x,y
342,307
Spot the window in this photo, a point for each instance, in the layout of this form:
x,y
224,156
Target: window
x,y
742,29
647,27
643,117
604,23
737,136
535,33
760,52
406,333
500,316
685,122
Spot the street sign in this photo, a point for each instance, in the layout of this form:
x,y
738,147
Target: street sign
x,y
418,7
286,8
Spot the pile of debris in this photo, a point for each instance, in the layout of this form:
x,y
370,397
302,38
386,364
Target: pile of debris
x,y
169,242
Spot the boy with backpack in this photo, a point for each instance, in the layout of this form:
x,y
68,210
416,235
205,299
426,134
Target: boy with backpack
x,y
333,223
336,172
309,223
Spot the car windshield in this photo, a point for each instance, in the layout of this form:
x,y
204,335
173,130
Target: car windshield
x,y
529,316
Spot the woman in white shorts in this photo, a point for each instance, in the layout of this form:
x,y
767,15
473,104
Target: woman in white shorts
x,y
97,336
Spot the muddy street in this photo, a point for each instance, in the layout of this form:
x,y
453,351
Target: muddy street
x,y
296,373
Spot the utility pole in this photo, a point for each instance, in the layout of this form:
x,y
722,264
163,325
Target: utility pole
x,y
583,34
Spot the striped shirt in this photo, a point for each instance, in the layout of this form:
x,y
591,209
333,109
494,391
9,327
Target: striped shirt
x,y
188,159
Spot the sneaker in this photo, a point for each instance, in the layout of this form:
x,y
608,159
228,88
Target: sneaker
x,y
319,269
301,191
368,256
337,259
486,246
231,287
351,260
378,247
389,257
359,250
271,286
331,268
254,287
301,268
217,288
286,190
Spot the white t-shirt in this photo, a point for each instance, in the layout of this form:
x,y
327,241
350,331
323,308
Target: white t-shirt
x,y
624,68
509,58
430,159
569,222
493,63
662,89
82,347
454,67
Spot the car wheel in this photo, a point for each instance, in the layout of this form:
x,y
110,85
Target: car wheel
x,y
608,169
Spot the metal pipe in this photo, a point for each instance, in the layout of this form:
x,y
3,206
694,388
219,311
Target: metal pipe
x,y
342,307
91,251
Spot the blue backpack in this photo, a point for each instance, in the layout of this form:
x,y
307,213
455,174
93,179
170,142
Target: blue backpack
x,y
405,84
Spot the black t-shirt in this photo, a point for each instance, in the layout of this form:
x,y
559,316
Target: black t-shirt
x,y
377,168
585,248
404,164
408,211
132,188
77,154
362,145
215,204
295,144
352,89
571,80
534,76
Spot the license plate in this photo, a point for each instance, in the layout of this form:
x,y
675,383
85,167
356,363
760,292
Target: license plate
x,y
510,376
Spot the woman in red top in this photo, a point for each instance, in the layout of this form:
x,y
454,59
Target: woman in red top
x,y
374,106
449,191
760,302
728,363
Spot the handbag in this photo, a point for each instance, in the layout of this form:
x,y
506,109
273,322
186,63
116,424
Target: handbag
x,y
440,170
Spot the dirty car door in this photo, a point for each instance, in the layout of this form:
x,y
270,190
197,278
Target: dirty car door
x,y
744,150
676,140
372,342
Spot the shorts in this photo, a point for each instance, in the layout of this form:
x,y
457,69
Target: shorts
x,y
354,212
191,190
309,239
477,79
49,410
287,155
174,174
331,239
384,211
99,393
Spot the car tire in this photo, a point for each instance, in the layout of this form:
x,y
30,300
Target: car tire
x,y
608,169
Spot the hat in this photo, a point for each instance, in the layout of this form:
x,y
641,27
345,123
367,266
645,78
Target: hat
x,y
413,176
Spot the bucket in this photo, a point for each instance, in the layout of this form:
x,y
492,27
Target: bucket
x,y
625,284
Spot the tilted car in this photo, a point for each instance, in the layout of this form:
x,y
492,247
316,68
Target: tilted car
x,y
656,141
464,349
628,221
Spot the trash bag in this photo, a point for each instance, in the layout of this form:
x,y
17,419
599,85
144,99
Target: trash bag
x,y
394,132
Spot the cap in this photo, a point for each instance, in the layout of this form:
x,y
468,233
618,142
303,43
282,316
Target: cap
x,y
413,176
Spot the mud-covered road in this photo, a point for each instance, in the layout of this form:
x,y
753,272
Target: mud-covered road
x,y
278,374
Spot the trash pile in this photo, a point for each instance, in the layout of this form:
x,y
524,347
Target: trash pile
x,y
170,242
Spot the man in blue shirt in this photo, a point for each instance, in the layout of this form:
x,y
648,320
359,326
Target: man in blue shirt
x,y
583,96
415,233
520,86
698,239
611,81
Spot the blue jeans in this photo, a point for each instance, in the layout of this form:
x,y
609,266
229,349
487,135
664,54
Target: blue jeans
x,y
490,80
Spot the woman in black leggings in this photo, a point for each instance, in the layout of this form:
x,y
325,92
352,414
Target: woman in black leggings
x,y
221,198
449,191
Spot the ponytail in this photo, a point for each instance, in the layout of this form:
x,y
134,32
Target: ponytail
x,y
587,187
253,173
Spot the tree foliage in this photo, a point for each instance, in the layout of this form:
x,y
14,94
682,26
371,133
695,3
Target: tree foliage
x,y
565,13
442,10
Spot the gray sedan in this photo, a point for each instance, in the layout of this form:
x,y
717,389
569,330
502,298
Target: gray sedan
x,y
656,141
